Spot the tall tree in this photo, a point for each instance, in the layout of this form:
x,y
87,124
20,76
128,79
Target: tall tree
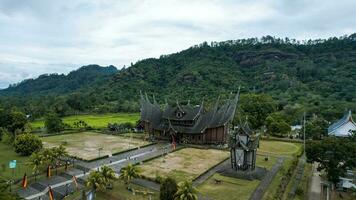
x,y
334,155
26,144
257,107
316,128
276,125
36,161
53,123
13,120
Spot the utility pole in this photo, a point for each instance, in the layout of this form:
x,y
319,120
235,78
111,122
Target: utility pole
x,y
304,132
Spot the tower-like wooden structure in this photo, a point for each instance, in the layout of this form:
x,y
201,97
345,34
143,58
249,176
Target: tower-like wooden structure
x,y
243,148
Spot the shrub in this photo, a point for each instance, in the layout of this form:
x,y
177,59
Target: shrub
x,y
26,144
168,189
7,138
3,131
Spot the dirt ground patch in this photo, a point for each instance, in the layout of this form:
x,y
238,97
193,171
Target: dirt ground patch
x,y
86,145
187,163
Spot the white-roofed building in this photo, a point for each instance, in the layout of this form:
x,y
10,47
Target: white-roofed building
x,y
343,127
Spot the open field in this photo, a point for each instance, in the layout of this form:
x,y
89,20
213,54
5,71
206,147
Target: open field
x,y
7,154
278,148
228,189
85,145
95,121
187,163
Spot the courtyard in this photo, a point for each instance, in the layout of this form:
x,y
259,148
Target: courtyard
x,y
187,163
86,145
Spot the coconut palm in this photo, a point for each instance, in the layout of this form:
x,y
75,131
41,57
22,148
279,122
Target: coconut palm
x,y
59,153
108,174
96,180
186,191
48,157
36,161
129,172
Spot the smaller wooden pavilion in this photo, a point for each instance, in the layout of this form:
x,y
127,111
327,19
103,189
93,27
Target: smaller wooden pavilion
x,y
243,148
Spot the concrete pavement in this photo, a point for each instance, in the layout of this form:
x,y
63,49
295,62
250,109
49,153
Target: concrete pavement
x,y
315,188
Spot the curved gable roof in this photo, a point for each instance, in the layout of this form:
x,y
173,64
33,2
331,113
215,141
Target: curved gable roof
x,y
345,119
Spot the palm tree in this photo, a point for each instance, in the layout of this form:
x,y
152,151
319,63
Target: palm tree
x,y
49,156
36,161
186,191
96,180
108,174
59,153
128,173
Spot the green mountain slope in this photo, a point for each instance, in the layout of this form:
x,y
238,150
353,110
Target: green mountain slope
x,y
318,74
84,77
287,71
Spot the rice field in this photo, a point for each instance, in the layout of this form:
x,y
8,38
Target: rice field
x,y
94,121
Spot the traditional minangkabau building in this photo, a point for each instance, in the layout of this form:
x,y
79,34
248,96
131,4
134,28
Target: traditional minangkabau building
x,y
187,123
243,148
343,127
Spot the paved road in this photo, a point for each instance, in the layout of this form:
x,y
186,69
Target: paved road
x,y
315,188
298,176
262,187
63,183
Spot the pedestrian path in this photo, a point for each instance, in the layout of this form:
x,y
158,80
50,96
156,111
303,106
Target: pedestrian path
x,y
62,184
266,181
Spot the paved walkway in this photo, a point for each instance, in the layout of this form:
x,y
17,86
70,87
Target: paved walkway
x,y
211,172
63,185
266,181
299,170
315,188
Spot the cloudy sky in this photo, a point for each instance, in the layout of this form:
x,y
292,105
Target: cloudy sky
x,y
57,36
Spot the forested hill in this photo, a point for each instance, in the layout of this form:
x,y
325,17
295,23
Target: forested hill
x,y
317,74
314,71
84,77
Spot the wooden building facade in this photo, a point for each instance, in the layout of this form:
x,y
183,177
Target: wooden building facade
x,y
187,123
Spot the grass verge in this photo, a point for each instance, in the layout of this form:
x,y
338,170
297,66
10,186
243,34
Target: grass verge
x,y
228,189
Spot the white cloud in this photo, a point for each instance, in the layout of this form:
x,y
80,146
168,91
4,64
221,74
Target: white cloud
x,y
43,36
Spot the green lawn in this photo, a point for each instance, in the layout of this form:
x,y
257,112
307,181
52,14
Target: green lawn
x,y
278,148
85,145
95,121
260,161
6,154
228,189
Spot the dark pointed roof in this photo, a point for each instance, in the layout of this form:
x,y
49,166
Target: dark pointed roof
x,y
201,120
251,144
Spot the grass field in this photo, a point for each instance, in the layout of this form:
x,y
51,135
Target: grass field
x,y
260,161
85,145
7,154
278,148
187,163
95,121
228,189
